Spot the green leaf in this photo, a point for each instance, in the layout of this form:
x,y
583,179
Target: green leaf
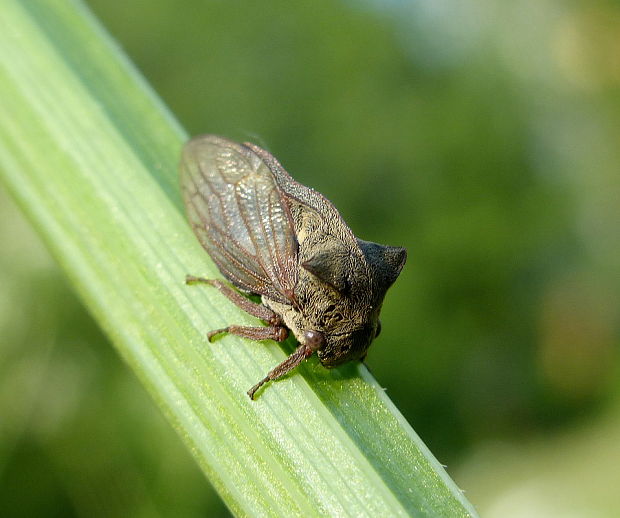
x,y
91,155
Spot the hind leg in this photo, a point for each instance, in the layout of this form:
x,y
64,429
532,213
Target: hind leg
x,y
254,309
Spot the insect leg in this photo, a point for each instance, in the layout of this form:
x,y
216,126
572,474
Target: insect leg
x,y
300,354
254,309
277,333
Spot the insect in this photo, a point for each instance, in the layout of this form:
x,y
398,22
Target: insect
x,y
271,236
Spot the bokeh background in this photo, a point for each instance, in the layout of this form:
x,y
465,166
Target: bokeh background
x,y
482,135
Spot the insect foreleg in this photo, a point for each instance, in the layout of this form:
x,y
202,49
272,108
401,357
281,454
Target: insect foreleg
x,y
300,354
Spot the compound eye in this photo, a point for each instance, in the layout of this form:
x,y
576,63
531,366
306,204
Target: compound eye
x,y
314,339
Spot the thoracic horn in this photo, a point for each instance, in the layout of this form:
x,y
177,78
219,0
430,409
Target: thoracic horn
x,y
385,261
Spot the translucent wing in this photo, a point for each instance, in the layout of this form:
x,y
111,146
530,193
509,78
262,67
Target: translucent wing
x,y
240,216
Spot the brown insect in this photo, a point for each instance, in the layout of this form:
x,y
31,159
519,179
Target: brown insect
x,y
274,237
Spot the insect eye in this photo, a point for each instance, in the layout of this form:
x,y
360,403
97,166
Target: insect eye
x,y
378,330
314,339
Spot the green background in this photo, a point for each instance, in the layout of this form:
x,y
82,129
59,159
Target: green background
x,y
482,136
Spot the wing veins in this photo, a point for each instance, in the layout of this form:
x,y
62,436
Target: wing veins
x,y
240,216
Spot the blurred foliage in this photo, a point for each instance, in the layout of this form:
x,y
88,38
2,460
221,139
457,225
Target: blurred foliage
x,y
480,135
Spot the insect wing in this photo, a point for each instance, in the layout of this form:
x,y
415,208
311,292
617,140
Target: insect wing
x,y
240,216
